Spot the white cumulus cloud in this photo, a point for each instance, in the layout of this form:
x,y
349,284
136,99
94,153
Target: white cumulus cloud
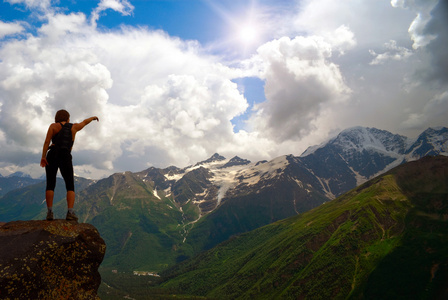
x,y
300,81
156,96
122,6
10,28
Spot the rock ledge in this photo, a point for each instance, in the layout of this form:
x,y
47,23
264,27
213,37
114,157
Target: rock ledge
x,y
50,260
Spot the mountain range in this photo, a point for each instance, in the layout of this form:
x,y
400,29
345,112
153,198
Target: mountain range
x,y
158,217
386,239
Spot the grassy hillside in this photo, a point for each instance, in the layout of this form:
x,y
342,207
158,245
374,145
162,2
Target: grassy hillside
x,y
143,230
387,239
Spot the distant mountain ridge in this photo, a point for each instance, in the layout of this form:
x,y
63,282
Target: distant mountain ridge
x,y
432,141
13,182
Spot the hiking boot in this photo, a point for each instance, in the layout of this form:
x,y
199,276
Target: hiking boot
x,y
50,216
71,217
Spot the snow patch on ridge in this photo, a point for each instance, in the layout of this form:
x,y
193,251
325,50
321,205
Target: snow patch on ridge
x,y
265,170
225,179
155,194
174,177
250,174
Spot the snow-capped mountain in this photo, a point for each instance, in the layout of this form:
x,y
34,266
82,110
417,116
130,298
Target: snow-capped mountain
x,y
358,138
322,172
209,183
432,141
358,154
234,195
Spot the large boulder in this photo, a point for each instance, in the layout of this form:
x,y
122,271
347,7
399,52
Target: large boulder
x,y
50,260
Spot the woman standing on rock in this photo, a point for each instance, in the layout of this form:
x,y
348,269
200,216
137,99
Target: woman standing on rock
x,y
62,135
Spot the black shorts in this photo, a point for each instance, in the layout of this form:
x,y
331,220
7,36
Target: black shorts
x,y
62,160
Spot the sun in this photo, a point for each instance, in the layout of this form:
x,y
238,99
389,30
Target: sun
x,y
247,34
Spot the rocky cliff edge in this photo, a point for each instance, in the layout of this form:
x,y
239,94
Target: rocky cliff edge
x,y
50,260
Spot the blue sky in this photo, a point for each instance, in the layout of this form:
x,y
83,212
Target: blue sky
x,y
186,19
175,81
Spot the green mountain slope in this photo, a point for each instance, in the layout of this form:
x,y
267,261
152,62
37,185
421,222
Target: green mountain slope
x,y
387,239
143,229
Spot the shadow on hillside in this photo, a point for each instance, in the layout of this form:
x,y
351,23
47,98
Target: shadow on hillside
x,y
418,268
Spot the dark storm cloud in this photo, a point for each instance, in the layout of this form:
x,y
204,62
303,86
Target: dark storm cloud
x,y
438,27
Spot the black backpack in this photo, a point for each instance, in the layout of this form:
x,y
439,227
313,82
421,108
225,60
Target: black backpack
x,y
63,139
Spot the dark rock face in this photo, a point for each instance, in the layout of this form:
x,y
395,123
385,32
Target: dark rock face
x,y
50,260
236,161
215,157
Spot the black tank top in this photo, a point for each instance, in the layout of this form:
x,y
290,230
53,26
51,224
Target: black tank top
x,y
63,139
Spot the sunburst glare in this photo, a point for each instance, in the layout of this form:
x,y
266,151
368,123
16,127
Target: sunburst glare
x,y
247,34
